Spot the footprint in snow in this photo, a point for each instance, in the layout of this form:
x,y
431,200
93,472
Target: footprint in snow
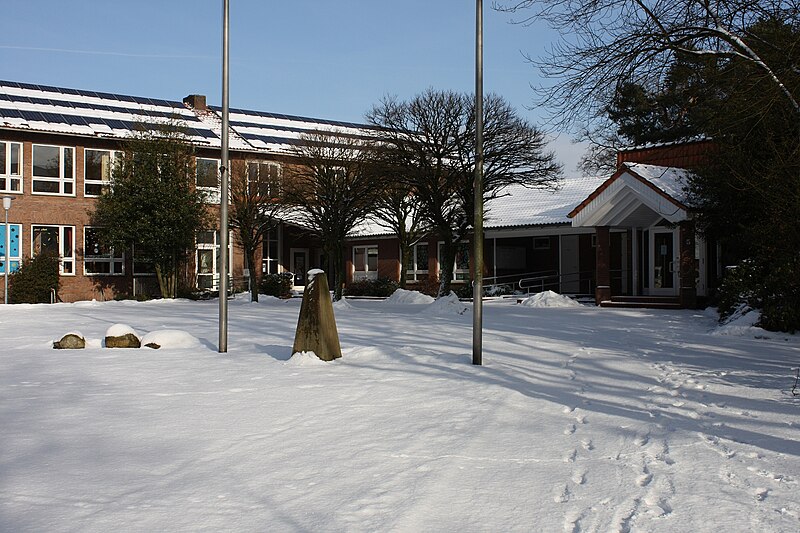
x,y
561,494
570,429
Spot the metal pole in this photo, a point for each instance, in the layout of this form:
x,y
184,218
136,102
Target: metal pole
x,y
223,196
7,264
477,295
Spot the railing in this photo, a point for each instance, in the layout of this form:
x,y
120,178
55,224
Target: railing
x,y
582,282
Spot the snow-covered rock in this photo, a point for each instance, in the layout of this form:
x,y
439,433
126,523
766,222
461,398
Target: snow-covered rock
x,y
549,299
446,305
118,330
741,323
402,296
171,338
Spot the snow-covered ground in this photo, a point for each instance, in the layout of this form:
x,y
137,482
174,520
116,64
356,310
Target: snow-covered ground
x,y
581,419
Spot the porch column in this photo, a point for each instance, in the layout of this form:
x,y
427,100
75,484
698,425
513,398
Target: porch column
x,y
688,269
635,261
603,290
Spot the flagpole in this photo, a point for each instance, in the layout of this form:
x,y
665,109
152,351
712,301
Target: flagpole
x,y
222,268
477,295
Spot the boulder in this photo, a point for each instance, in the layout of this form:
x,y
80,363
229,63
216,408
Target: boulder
x,y
316,326
153,345
129,340
70,341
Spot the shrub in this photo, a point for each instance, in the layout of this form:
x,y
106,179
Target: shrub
x,y
34,280
278,285
771,286
371,287
429,286
463,290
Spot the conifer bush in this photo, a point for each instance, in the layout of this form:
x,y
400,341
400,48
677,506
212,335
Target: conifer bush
x,y
382,287
278,285
35,280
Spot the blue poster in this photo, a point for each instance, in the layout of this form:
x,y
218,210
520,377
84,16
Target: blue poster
x,y
14,255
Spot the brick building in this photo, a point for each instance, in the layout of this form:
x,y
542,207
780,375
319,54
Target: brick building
x,y
626,236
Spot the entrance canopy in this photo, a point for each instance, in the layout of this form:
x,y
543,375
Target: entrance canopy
x,y
637,195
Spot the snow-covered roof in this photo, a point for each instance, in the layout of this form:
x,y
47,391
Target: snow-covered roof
x,y
636,195
536,207
520,206
25,106
274,132
670,180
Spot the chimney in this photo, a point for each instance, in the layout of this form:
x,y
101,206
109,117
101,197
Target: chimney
x,y
196,101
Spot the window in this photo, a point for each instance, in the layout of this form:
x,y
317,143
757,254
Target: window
x,y
57,240
53,170
541,243
269,260
207,173
266,177
208,259
143,264
10,167
461,266
99,259
97,165
365,262
14,248
418,269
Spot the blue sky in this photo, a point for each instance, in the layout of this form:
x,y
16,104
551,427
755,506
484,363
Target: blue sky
x,y
315,58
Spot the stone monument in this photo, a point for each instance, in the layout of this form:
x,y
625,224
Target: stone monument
x,y
316,326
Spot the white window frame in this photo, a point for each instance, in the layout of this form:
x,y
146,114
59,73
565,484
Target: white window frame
x,y
366,273
16,259
212,193
66,263
116,262
267,259
65,178
459,274
215,248
12,181
414,272
278,176
103,183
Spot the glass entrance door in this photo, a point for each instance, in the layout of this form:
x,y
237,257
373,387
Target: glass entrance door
x,y
664,261
299,265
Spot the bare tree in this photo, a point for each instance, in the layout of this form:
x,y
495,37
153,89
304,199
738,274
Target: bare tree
x,y
398,210
429,140
332,190
255,192
605,43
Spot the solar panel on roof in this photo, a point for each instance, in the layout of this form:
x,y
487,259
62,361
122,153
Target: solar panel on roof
x,y
141,100
75,120
11,113
91,94
56,118
32,116
63,90
115,124
10,83
30,86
